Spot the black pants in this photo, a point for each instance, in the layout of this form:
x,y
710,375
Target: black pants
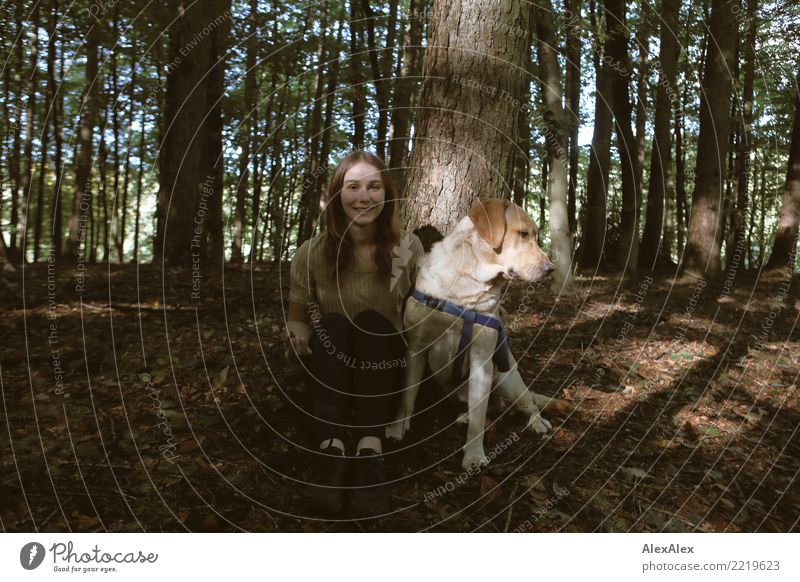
x,y
355,373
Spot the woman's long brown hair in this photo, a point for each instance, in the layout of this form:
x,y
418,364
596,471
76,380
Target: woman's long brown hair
x,y
338,247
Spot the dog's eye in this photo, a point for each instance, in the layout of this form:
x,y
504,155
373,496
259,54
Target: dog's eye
x,y
524,233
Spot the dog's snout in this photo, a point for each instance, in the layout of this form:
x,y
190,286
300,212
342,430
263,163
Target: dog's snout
x,y
549,266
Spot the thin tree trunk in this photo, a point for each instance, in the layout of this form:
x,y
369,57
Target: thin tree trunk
x,y
573,94
356,77
123,221
240,215
405,87
58,107
82,200
45,144
30,116
115,124
785,243
471,96
745,138
14,172
139,181
702,253
550,72
642,90
662,184
379,73
308,210
594,228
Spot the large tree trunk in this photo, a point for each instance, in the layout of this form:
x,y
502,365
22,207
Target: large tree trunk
x,y
189,213
82,200
628,251
783,248
474,73
405,87
550,72
240,214
702,254
595,220
662,185
739,233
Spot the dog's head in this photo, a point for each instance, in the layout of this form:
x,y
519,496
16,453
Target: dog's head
x,y
512,236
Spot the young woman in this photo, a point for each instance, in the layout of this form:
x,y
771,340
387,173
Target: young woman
x,y
348,285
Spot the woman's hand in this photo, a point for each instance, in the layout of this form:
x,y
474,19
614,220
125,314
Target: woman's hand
x,y
296,339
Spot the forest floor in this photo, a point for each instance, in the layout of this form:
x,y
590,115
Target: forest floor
x,y
132,406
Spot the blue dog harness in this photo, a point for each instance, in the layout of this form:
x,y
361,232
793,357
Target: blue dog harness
x,y
470,317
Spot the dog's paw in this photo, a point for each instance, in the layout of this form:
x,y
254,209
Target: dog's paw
x,y
397,429
474,460
539,424
463,418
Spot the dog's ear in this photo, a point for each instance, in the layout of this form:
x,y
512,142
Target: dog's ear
x,y
489,218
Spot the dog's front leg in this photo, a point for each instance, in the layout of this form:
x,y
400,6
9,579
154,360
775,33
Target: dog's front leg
x,y
480,384
402,420
511,388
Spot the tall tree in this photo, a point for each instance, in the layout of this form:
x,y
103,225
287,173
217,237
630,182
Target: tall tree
x,y
474,78
240,214
309,203
30,116
628,252
57,104
82,200
662,184
405,87
745,144
783,248
550,72
702,253
573,102
190,165
594,226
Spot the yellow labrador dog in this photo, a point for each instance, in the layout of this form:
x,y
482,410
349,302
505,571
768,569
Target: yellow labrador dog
x,y
453,322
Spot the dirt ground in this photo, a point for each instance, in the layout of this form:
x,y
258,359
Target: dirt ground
x,y
129,404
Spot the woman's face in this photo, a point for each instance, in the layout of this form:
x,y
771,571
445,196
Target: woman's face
x,y
362,194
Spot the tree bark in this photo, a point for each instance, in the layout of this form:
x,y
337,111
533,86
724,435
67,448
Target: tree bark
x,y
356,77
662,185
30,116
573,95
738,231
58,108
240,214
550,72
474,73
628,252
405,87
595,220
190,196
309,211
82,200
785,244
702,254
380,74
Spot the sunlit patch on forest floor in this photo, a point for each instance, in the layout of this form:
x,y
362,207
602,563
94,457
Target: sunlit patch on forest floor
x,y
138,407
